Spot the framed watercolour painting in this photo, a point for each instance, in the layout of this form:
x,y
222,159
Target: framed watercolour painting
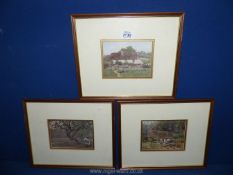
x,y
70,133
126,51
127,58
164,133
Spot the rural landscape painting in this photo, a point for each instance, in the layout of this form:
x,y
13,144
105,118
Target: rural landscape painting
x,y
163,135
127,58
71,134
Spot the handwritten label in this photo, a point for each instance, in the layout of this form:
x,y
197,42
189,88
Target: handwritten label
x,y
127,34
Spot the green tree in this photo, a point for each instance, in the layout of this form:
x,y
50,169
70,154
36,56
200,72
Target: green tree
x,y
128,49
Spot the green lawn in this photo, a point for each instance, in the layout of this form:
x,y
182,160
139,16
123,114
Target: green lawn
x,y
151,145
145,73
157,146
108,73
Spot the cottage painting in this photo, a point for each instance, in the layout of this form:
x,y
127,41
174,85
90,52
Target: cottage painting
x,y
127,58
71,134
163,135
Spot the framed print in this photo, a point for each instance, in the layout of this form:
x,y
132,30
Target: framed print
x,y
164,133
70,133
127,58
126,51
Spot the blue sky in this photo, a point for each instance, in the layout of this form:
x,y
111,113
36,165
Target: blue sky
x,y
111,46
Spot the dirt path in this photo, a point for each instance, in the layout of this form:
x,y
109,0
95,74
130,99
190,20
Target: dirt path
x,y
117,73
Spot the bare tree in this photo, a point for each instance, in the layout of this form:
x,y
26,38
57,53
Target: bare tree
x,y
81,131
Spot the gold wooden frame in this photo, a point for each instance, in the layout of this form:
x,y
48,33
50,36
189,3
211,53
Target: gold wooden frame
x,y
167,101
127,40
180,15
27,128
